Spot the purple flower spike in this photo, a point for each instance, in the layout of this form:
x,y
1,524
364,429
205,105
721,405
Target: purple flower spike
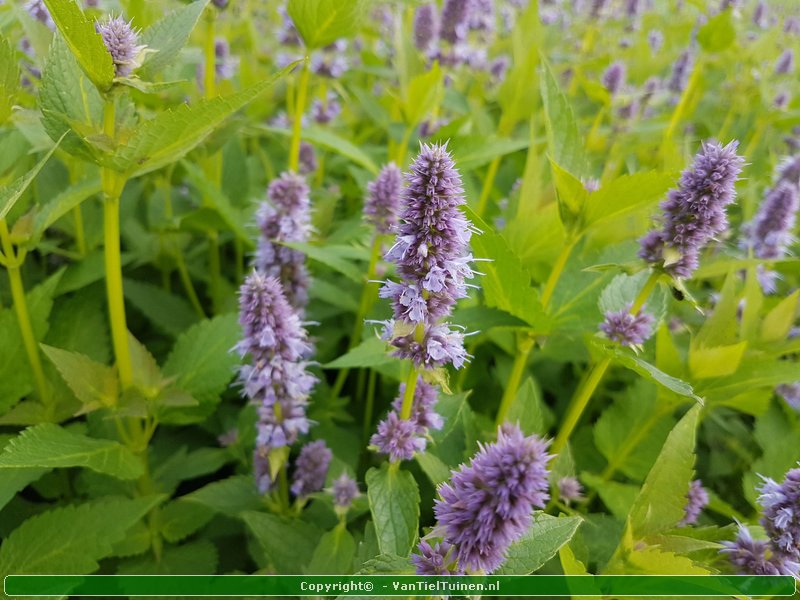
x,y
455,20
614,77
435,560
785,63
695,212
261,472
628,329
426,27
487,505
345,490
38,10
311,468
423,414
327,111
789,170
121,40
570,489
655,39
757,557
225,65
383,200
276,375
781,513
696,501
399,439
791,393
680,73
307,158
285,218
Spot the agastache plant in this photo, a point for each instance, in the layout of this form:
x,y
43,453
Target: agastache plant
x,y
696,501
122,41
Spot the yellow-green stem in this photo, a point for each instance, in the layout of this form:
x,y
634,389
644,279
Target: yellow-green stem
x,y
400,159
209,56
595,375
113,184
186,280
524,347
297,123
23,318
370,404
558,268
80,236
408,396
488,184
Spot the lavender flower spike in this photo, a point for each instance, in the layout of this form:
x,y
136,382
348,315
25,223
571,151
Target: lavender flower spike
x,y
781,513
628,329
487,504
121,39
791,393
680,73
433,260
38,10
382,203
311,468
696,500
785,63
286,218
570,489
435,560
422,408
695,212
614,77
276,379
757,557
345,490
398,438
455,20
426,27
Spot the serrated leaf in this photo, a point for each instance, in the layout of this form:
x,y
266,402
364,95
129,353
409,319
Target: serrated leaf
x,y
50,446
199,557
169,313
433,467
71,539
563,140
626,194
146,374
273,532
9,79
331,256
386,564
369,353
231,496
320,22
173,133
475,151
778,323
334,553
10,194
529,409
571,195
63,204
168,36
93,383
83,41
539,544
394,503
716,361
181,518
660,504
202,361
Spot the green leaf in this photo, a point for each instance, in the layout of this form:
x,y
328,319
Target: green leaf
x,y
618,497
529,409
483,318
181,518
83,41
386,564
9,79
626,194
169,313
661,502
517,95
369,353
93,383
334,553
71,539
274,532
394,504
320,136
571,195
572,566
330,255
539,544
15,480
475,151
716,361
202,360
10,194
62,204
173,133
50,446
231,496
168,36
719,33
320,22
433,466
146,374
563,139
422,94
195,558
778,323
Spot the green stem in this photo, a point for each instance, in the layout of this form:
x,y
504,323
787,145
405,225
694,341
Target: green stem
x,y
209,56
214,270
408,397
186,280
488,184
558,268
593,378
370,404
113,183
80,236
23,317
297,124
524,347
403,147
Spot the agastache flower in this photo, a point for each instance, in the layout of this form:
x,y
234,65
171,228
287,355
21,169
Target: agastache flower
x,y
757,557
344,491
488,504
435,560
275,378
760,16
383,199
38,10
325,111
433,260
398,438
423,414
695,212
307,158
121,40
225,65
627,329
790,392
285,218
570,489
311,468
781,513
455,20
426,27
696,501
785,63
655,39
681,69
